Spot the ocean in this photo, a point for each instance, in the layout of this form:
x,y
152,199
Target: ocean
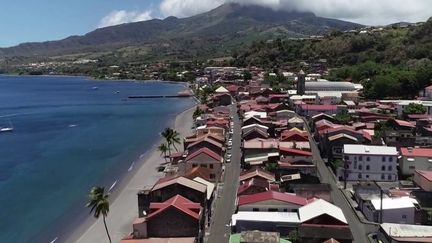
x,y
71,133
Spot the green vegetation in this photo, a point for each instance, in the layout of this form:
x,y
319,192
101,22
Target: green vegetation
x,y
343,118
414,108
163,148
172,137
98,204
393,62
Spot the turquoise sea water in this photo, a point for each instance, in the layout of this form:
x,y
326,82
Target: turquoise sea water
x,y
70,135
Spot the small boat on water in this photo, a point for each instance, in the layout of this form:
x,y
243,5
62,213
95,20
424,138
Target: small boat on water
x,y
7,129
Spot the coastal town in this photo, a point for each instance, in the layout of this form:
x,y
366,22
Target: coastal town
x,y
312,162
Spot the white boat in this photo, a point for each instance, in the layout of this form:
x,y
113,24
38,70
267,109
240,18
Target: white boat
x,y
7,129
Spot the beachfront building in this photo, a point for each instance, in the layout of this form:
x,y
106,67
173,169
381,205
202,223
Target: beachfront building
x,y
166,188
203,157
176,211
413,159
370,163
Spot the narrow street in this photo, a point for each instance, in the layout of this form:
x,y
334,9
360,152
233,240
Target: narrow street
x,y
225,205
358,229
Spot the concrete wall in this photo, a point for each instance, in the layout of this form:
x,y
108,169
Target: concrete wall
x,y
408,164
171,223
423,182
371,168
270,206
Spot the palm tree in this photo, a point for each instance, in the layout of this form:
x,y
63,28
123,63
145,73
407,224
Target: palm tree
x,y
163,148
172,137
98,204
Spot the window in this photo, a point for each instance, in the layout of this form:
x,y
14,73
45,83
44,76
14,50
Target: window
x,y
272,209
404,216
355,164
382,176
390,159
367,176
346,158
412,167
383,159
212,176
390,168
389,177
359,175
383,168
285,210
194,165
211,166
367,167
360,167
360,158
255,209
203,166
368,158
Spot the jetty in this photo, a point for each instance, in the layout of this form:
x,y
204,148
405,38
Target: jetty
x,y
182,94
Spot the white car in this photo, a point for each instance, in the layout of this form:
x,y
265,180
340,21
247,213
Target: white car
x,y
228,155
229,143
228,160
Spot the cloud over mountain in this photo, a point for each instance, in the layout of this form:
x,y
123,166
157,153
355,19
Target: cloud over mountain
x,y
371,12
122,16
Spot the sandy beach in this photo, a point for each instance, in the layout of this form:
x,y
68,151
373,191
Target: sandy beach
x,y
124,205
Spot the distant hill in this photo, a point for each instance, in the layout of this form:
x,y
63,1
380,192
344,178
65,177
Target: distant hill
x,y
225,27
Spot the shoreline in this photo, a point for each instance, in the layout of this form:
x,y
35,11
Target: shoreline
x,y
94,79
123,201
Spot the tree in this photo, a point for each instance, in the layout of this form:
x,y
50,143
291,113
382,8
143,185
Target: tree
x,y
99,204
414,108
172,137
163,148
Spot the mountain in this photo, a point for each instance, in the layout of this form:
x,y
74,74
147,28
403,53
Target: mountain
x,y
224,27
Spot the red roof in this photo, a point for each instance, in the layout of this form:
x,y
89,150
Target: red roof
x,y
272,195
198,171
206,151
425,173
258,182
257,173
183,204
294,136
404,123
297,152
416,152
318,107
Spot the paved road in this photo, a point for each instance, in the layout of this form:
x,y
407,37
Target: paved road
x,y
225,204
358,229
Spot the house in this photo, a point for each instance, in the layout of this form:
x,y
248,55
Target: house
x,y
195,138
285,114
204,130
271,201
281,222
311,110
257,237
399,133
256,114
206,158
162,220
294,154
370,163
222,99
211,144
415,159
400,210
167,188
404,233
255,185
254,131
309,191
294,135
296,122
256,173
320,221
423,179
252,120
221,90
289,167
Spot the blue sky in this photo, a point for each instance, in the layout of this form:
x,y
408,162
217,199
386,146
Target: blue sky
x,y
41,20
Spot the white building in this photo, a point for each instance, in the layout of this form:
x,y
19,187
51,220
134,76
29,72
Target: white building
x,y
401,104
413,159
399,210
407,233
370,163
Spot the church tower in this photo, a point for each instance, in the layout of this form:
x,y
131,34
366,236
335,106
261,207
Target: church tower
x,y
301,82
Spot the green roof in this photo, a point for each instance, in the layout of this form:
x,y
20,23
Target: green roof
x,y
235,238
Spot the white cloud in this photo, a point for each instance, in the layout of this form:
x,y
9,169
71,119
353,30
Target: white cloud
x,y
122,16
363,11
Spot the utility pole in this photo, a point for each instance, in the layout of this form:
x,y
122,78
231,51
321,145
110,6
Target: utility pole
x,y
345,173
